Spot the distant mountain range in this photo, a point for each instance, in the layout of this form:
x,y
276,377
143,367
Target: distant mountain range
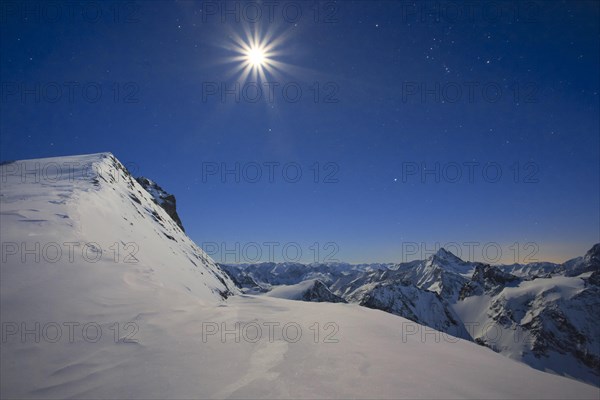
x,y
543,314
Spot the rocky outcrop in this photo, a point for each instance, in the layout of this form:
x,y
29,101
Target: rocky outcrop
x,y
319,292
162,198
487,279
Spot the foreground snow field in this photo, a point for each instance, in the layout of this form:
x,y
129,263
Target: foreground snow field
x,y
103,296
186,349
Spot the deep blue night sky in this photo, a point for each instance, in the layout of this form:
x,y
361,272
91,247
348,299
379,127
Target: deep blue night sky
x,y
370,131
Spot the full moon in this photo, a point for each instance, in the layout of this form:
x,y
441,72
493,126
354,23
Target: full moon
x,y
256,57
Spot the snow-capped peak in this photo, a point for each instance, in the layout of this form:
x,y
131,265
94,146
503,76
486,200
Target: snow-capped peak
x,y
446,255
446,260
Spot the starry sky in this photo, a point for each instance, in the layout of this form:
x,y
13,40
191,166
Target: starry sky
x,y
383,129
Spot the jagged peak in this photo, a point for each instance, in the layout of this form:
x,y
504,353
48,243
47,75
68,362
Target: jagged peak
x,y
446,255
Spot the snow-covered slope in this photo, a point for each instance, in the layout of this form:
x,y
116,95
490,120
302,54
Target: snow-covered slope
x,y
185,349
143,313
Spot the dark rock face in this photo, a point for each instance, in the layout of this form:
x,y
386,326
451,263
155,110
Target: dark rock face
x,y
470,289
594,279
487,279
492,277
592,257
319,292
162,198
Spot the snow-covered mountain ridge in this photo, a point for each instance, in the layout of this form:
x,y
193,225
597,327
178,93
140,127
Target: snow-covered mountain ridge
x,y
94,203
